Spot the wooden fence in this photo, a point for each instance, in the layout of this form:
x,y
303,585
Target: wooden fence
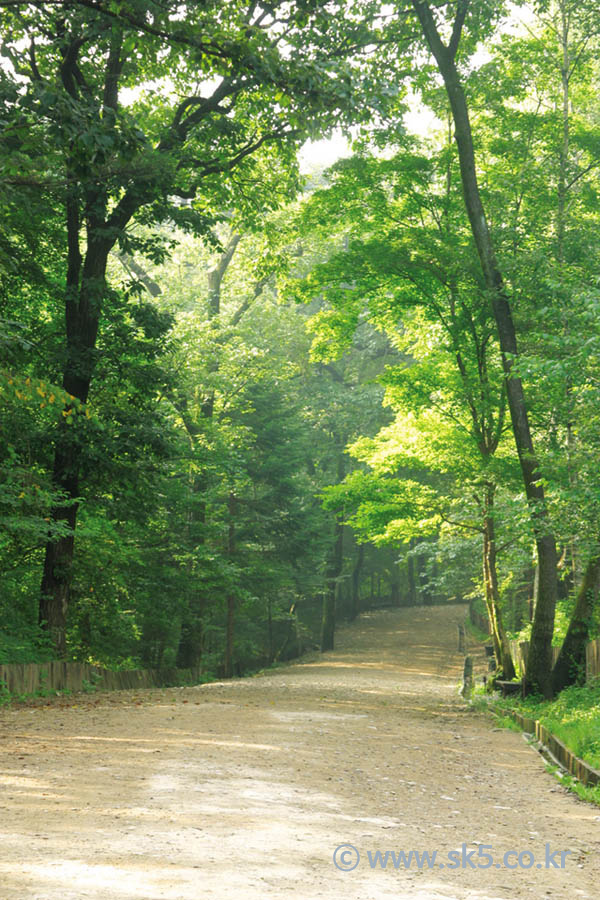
x,y
592,659
32,678
479,619
519,648
582,770
519,651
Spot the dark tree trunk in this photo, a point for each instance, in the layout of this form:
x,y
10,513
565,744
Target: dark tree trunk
x,y
230,623
435,597
58,561
83,303
331,589
229,636
539,662
570,665
189,650
328,619
334,568
423,589
95,205
271,648
84,295
412,584
356,573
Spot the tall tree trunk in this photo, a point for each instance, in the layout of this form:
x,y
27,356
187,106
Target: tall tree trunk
x,y
229,636
423,585
58,560
410,568
189,651
271,647
492,595
563,187
83,302
539,662
490,606
230,623
434,576
334,571
571,660
84,295
356,572
328,618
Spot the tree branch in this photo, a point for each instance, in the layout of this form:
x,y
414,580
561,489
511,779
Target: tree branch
x,y
33,62
114,67
432,35
476,528
457,28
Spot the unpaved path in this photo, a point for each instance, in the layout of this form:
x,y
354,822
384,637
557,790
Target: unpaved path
x,y
244,789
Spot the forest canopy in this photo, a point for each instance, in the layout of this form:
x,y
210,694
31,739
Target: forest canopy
x,y
241,402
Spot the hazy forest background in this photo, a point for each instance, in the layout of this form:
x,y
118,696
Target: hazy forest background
x,y
239,402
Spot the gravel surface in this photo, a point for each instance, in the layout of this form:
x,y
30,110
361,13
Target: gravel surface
x,y
244,789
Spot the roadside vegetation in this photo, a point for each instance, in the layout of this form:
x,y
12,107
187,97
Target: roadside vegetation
x,y
242,402
573,717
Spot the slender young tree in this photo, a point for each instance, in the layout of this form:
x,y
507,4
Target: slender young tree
x,y
539,662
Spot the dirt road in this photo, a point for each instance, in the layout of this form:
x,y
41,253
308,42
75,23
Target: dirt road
x,y
245,789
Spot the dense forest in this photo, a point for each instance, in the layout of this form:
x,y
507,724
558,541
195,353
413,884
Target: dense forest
x,y
243,400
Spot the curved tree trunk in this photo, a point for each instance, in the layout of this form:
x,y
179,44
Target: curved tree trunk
x,y
570,664
492,595
539,662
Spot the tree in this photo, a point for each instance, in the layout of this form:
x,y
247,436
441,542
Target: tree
x,y
539,662
415,280
180,151
544,99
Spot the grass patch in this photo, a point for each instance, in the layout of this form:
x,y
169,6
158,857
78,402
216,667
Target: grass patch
x,y
584,792
573,717
7,698
505,722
